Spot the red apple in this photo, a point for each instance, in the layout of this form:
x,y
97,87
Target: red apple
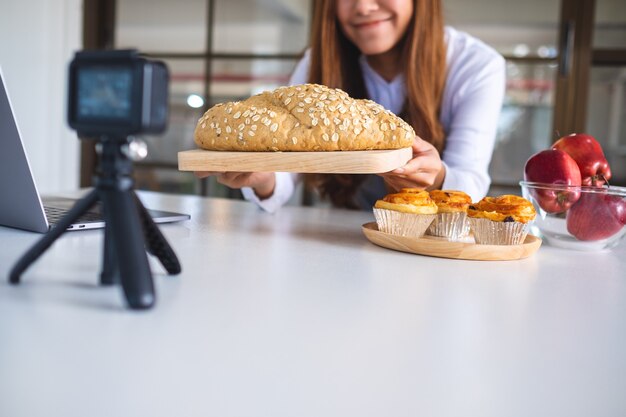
x,y
556,167
587,152
596,216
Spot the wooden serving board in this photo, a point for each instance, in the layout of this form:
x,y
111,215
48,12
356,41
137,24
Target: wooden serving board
x,y
439,247
339,162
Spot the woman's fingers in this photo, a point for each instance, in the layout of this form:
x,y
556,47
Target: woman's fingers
x,y
422,171
241,179
415,180
263,183
234,179
419,169
412,167
227,178
204,174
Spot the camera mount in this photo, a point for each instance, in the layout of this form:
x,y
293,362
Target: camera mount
x,y
129,230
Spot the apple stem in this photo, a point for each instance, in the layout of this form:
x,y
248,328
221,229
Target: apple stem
x,y
598,180
604,178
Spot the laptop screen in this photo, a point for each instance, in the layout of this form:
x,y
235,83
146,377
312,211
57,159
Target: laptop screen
x,y
20,205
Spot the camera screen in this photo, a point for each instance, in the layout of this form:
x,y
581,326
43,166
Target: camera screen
x,y
104,93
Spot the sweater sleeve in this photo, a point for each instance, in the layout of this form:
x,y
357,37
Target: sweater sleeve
x,y
475,102
285,186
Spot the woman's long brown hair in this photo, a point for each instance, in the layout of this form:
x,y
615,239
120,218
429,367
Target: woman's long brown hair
x,y
335,63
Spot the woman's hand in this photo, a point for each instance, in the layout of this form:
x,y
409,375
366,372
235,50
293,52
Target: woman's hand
x,y
263,183
424,171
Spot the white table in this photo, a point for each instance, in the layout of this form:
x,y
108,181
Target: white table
x,y
297,314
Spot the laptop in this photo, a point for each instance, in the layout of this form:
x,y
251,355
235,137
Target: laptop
x,y
21,206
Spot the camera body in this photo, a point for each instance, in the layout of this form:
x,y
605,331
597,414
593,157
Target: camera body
x,y
116,94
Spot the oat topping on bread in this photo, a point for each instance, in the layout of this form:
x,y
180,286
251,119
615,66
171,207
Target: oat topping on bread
x,y
306,117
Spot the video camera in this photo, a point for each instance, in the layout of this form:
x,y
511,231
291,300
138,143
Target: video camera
x,y
117,94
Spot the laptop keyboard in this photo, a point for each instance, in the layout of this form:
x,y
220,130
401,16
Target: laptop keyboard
x,y
54,214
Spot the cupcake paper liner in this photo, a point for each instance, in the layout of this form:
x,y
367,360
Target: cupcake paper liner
x,y
402,224
488,232
452,226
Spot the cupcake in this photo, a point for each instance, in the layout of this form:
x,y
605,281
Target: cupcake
x,y
407,213
503,220
451,221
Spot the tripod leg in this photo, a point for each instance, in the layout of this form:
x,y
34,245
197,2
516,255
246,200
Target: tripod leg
x,y
122,223
156,243
48,239
110,271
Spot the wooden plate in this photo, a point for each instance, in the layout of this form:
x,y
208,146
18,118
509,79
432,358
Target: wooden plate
x,y
439,247
339,162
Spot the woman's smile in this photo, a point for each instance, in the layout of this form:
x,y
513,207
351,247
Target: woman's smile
x,y
370,24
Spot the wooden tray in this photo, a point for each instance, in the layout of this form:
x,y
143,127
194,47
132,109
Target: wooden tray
x,y
339,162
439,247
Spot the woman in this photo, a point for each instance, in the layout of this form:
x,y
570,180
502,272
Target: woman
x,y
448,85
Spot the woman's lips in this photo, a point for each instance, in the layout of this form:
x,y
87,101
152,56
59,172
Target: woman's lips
x,y
370,24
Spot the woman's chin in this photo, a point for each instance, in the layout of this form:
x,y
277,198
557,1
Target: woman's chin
x,y
376,48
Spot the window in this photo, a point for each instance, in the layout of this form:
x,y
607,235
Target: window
x,y
216,50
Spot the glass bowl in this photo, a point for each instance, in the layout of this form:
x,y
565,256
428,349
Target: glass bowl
x,y
577,217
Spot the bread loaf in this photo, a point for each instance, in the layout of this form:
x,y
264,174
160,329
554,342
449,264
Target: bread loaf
x,y
307,117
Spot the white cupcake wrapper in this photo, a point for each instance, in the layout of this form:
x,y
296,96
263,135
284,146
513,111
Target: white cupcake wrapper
x,y
488,232
402,224
452,226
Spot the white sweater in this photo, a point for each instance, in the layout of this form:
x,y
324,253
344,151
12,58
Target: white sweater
x,y
472,99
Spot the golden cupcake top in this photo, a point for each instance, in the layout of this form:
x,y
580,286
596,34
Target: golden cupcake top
x,y
408,200
450,201
505,208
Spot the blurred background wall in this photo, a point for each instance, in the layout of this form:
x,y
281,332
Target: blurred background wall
x,y
37,40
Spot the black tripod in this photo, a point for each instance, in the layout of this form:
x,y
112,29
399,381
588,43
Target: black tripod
x,y
128,233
